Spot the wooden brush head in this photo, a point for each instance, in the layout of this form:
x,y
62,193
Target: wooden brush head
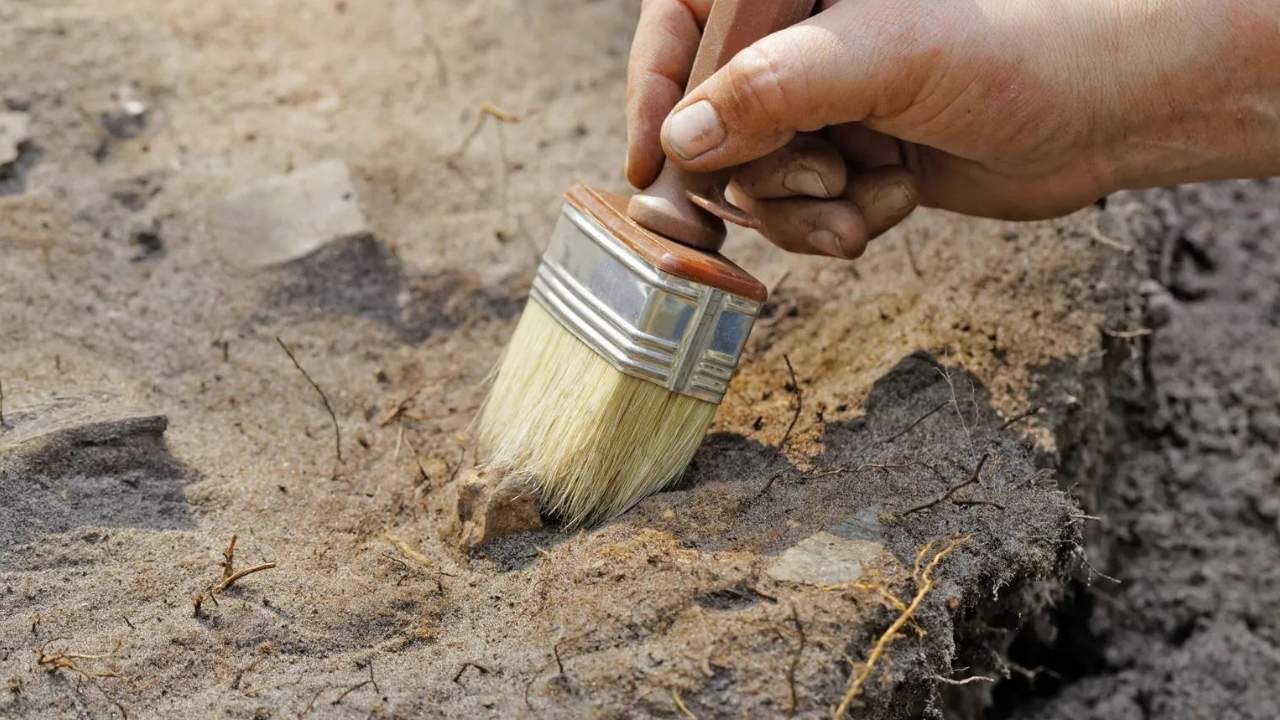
x,y
705,268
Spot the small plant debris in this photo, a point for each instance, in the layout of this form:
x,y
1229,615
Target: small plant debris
x,y
925,581
229,577
66,662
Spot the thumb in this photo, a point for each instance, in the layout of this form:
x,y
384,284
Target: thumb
x,y
827,70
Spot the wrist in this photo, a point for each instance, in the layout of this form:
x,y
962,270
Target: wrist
x,y
1196,95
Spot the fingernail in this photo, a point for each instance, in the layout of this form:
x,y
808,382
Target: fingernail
x,y
896,198
826,242
805,182
694,130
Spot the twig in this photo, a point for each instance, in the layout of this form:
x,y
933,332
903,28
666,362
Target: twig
x,y
413,450
307,710
786,436
1099,573
685,711
1,403
398,409
487,110
1020,417
231,580
965,681
263,653
951,491
555,650
1127,334
228,558
457,677
925,584
229,577
1096,235
795,387
795,663
954,401
769,484
66,661
914,423
348,691
988,503
337,432
833,471
911,257
409,552
892,600
197,601
1032,673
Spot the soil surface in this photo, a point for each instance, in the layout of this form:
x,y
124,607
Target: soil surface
x,y
152,410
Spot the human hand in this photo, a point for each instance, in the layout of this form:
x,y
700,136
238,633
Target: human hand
x,y
1018,109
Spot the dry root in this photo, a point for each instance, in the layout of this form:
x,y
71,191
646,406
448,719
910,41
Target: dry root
x,y
229,577
684,709
923,575
65,661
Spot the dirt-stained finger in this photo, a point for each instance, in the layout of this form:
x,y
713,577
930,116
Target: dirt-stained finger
x,y
808,166
662,53
806,225
862,147
884,197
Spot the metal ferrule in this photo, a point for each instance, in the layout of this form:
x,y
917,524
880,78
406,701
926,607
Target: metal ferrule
x,y
649,324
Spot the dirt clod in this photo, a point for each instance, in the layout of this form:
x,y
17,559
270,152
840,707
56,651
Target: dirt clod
x,y
485,507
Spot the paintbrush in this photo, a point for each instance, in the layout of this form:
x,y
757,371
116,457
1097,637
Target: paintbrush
x,y
634,325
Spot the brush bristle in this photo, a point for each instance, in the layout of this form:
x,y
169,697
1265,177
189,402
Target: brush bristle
x,y
595,440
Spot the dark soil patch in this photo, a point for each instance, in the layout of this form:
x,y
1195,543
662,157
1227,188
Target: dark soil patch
x,y
1190,499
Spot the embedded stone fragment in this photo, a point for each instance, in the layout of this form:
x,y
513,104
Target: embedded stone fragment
x,y
484,507
837,555
15,129
285,217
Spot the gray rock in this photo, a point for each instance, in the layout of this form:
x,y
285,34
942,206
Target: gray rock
x,y
285,217
839,554
15,129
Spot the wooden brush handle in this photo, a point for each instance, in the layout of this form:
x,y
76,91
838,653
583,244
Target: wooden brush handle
x,y
690,207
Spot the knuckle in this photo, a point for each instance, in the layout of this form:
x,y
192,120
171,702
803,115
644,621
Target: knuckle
x,y
757,90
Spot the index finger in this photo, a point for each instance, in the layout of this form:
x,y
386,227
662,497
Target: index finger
x,y
662,53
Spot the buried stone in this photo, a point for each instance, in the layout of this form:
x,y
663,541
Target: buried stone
x,y
285,217
837,555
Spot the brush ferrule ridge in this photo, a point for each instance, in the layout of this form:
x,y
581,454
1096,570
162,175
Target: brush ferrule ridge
x,y
685,336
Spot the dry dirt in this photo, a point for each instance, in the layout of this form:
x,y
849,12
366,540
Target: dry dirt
x,y
150,413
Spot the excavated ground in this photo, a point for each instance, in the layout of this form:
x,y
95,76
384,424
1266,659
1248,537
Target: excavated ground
x,y
1186,625
150,412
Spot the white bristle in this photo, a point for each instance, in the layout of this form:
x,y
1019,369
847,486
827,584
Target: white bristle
x,y
595,440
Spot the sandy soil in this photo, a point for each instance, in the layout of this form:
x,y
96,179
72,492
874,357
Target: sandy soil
x,y
150,413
